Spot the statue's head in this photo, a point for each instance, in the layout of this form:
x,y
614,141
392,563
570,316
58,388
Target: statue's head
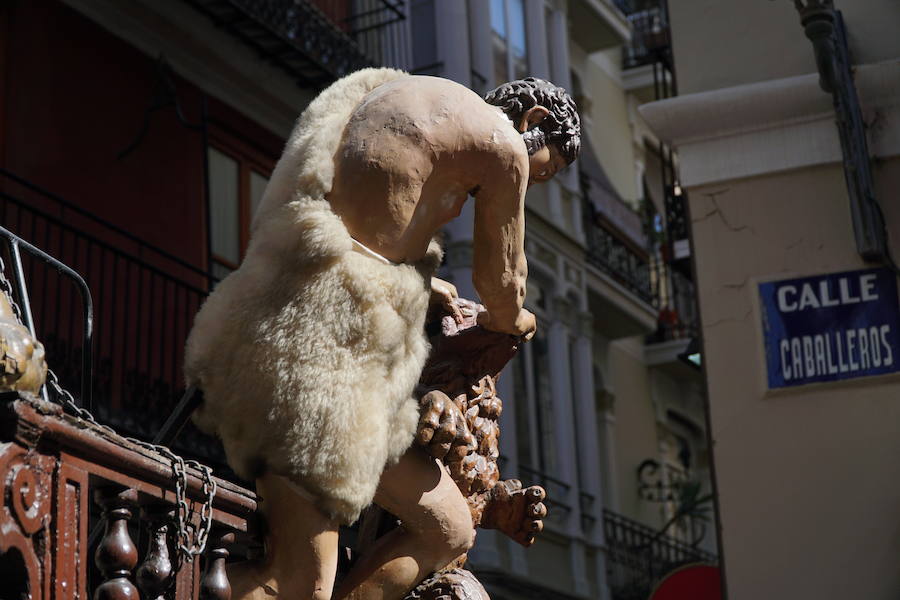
x,y
546,117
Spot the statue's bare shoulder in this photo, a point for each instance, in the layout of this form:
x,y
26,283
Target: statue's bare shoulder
x,y
411,153
433,113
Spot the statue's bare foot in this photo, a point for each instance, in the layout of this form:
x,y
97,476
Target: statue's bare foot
x,y
515,511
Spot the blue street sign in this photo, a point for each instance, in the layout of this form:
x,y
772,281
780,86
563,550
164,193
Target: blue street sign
x,y
830,327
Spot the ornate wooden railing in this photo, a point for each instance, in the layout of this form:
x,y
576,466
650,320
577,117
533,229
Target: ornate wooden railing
x,y
53,467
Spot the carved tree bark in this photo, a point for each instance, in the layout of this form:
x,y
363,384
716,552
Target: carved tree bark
x,y
462,371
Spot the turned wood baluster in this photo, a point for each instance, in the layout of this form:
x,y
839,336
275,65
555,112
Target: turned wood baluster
x,y
155,573
116,553
215,584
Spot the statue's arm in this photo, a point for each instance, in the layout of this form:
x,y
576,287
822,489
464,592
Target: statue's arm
x,y
499,266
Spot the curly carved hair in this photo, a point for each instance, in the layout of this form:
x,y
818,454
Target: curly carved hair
x,y
561,127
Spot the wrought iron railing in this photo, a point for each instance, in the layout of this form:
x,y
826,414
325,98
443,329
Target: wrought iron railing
x,y
609,252
144,300
317,41
637,556
678,315
650,34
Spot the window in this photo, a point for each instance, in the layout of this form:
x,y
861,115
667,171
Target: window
x,y
581,462
508,40
533,395
237,179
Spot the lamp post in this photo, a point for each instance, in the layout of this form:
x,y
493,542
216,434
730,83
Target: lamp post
x,y
817,18
824,26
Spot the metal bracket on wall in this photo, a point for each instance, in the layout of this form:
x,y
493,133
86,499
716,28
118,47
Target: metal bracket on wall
x,y
824,26
164,96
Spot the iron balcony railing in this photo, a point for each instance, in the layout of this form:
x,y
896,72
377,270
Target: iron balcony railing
x,y
678,316
144,301
638,557
650,34
612,254
317,41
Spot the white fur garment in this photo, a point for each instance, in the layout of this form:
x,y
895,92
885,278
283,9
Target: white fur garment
x,y
308,353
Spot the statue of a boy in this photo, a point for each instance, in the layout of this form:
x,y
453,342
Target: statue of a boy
x,y
308,353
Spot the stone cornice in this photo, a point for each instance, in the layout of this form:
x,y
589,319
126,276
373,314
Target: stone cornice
x,y
772,126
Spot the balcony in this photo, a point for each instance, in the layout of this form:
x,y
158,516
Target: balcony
x,y
638,557
597,25
316,41
647,65
650,36
612,254
617,250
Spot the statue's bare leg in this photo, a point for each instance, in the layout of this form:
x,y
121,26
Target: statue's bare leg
x,y
436,529
301,548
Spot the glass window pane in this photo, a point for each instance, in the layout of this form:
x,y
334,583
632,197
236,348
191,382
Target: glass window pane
x,y
517,27
548,20
220,271
223,200
501,70
544,400
520,393
517,41
498,18
498,41
257,187
573,383
424,42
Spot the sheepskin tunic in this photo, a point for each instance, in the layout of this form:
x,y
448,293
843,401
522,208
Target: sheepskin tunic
x,y
308,353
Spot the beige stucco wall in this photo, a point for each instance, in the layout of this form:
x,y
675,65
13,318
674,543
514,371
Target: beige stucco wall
x,y
549,561
807,493
607,123
721,43
636,434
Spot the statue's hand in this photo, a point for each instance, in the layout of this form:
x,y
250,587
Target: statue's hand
x,y
442,428
524,326
443,294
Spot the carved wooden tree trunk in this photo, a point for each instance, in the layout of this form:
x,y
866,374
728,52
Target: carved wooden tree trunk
x,y
463,368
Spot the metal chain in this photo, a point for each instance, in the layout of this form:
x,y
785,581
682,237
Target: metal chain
x,y
6,288
191,538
